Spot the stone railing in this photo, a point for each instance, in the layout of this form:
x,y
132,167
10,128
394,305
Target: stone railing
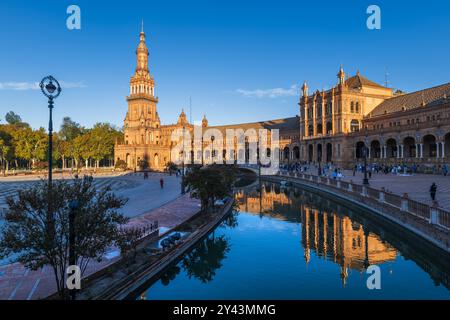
x,y
432,215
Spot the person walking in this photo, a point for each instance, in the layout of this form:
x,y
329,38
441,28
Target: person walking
x,y
433,190
161,183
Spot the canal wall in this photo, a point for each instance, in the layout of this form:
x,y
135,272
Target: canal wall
x,y
429,223
138,280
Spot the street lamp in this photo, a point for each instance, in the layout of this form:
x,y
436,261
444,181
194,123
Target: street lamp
x,y
212,149
73,206
51,89
365,179
203,155
319,157
182,164
366,247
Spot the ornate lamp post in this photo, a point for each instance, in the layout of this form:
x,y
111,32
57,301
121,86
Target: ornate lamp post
x,y
51,89
366,245
212,149
182,165
319,158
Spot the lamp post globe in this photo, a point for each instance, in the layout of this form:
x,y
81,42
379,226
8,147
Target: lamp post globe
x,y
212,149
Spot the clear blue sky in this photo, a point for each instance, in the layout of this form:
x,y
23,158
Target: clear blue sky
x,y
238,60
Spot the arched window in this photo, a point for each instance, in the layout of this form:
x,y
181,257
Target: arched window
x,y
329,128
354,125
352,107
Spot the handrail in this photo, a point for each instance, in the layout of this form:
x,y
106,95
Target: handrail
x,y
432,214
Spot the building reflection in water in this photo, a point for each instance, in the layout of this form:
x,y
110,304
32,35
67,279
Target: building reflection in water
x,y
333,236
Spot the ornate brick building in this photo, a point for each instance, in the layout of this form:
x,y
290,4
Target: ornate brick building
x,y
397,128
333,126
146,139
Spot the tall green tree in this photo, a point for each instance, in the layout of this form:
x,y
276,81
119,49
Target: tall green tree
x,y
31,145
102,138
69,129
211,183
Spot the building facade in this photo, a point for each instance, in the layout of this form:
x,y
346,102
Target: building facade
x,y
359,118
353,119
148,141
145,139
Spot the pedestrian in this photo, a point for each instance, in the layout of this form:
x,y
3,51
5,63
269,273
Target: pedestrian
x,y
161,183
433,189
370,174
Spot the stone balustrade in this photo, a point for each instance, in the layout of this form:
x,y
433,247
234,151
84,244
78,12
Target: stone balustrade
x,y
399,207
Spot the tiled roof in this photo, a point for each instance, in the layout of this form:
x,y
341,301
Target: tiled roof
x,y
358,81
285,124
422,98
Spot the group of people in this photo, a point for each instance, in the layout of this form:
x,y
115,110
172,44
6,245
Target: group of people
x,y
405,169
331,171
325,170
161,180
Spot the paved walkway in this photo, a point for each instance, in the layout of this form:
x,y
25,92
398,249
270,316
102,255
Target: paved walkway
x,y
18,283
143,195
417,186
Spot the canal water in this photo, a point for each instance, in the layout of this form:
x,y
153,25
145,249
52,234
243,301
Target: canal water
x,y
287,243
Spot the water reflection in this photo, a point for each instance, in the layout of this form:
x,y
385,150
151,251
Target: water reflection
x,y
206,258
288,243
336,233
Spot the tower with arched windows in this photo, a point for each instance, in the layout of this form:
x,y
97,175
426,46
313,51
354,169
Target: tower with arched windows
x,y
327,116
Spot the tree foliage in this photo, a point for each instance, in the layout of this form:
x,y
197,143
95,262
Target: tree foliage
x,y
171,167
21,146
211,183
206,258
12,118
35,240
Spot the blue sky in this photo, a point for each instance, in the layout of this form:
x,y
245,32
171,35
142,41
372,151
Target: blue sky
x,y
239,60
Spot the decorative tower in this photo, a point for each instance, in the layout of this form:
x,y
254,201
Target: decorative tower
x,y
182,120
305,89
341,75
204,121
142,116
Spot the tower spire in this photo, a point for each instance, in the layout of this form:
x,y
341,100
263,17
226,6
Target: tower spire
x,y
142,51
142,82
341,75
